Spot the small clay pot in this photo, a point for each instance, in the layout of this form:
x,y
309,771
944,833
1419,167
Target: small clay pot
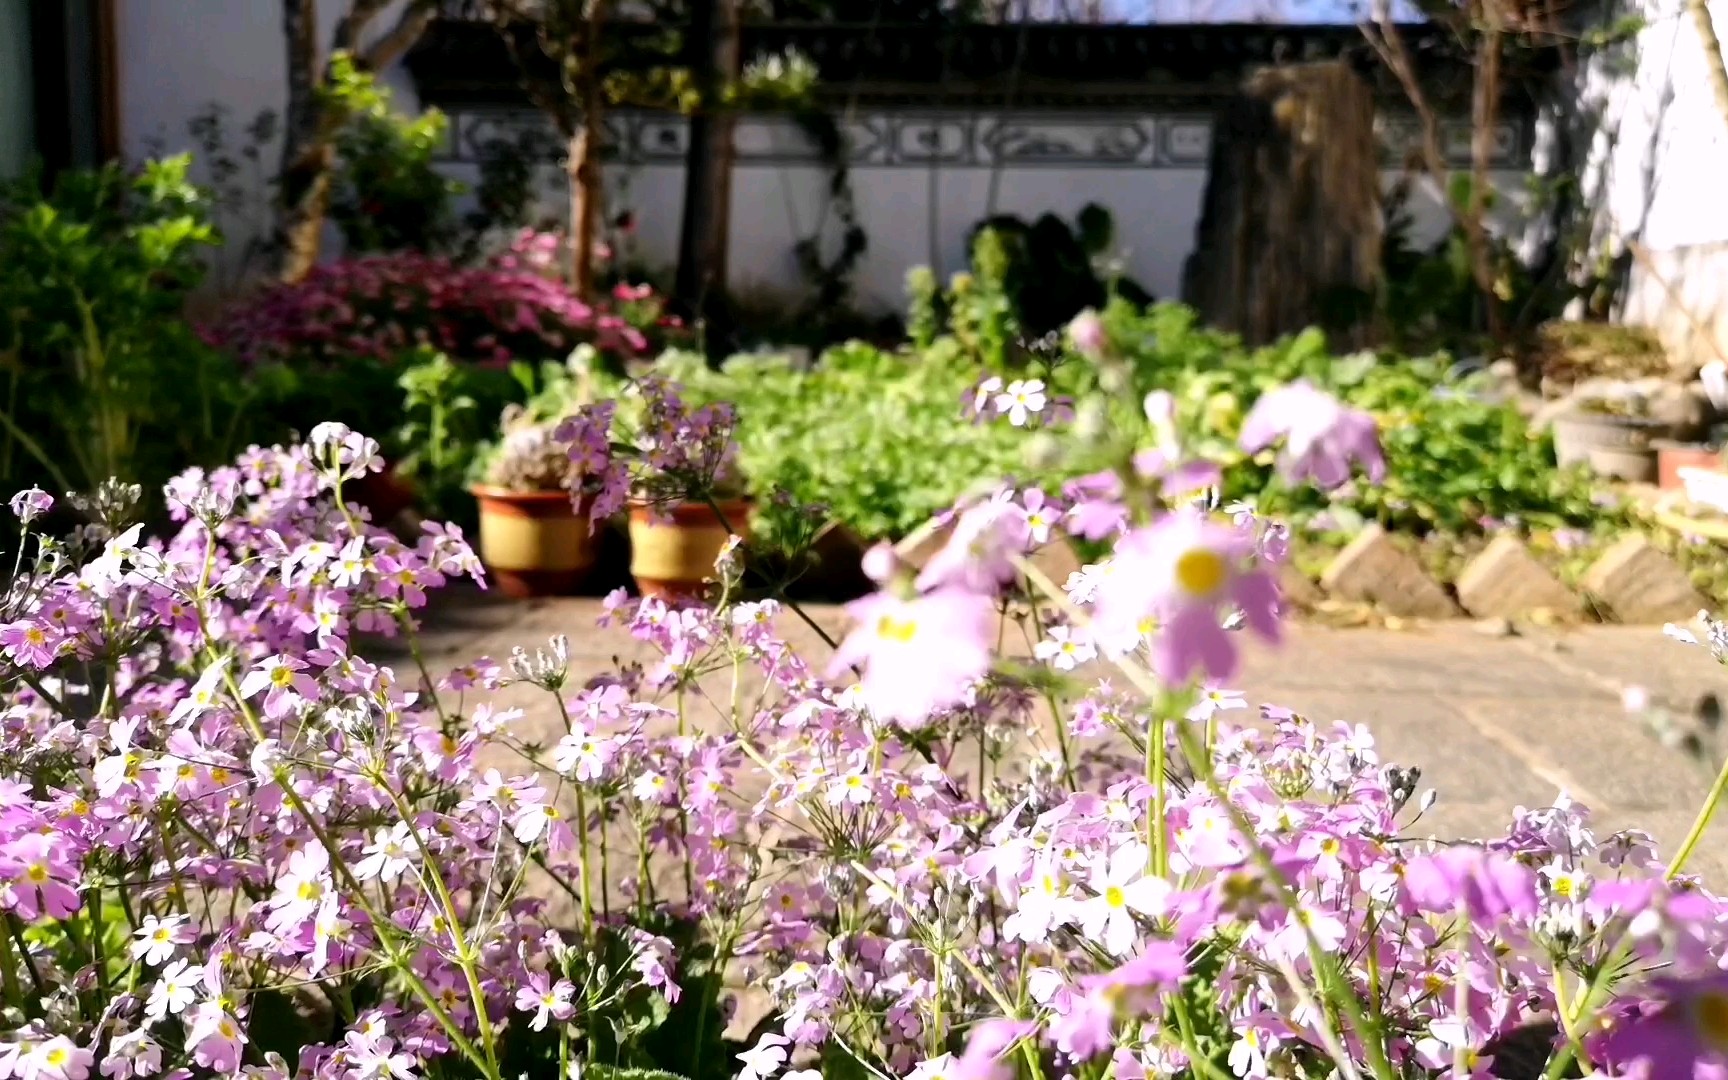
x,y
673,548
1672,456
534,543
1581,437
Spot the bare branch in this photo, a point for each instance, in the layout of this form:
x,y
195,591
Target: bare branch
x,y
384,52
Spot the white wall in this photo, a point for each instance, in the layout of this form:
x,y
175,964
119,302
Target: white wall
x,y
1664,155
922,179
176,57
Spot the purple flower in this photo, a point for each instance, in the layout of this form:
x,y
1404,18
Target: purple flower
x,y
1321,436
1684,1035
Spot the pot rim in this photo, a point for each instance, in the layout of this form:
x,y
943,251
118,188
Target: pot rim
x,y
636,502
504,494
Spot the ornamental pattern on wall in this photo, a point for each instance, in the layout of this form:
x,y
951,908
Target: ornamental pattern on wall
x,y
909,139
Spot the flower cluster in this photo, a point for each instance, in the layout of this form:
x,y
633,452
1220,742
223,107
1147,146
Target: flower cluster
x,y
939,855
379,306
654,447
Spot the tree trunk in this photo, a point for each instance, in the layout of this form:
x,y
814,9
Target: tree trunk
x,y
1484,108
584,164
1290,228
701,280
304,184
309,150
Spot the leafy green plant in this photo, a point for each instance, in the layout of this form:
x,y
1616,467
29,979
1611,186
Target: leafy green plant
x,y
99,373
876,437
1455,456
388,194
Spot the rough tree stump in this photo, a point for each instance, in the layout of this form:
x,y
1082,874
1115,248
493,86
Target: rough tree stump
x,y
1290,227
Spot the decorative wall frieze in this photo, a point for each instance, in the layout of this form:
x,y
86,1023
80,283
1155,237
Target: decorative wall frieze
x,y
948,140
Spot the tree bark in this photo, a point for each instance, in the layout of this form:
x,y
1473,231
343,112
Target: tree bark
x,y
309,148
584,164
1484,108
1713,63
701,279
1290,226
303,186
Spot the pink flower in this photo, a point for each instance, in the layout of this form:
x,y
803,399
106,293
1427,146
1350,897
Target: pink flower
x,y
1486,884
1321,436
1087,334
1170,580
39,878
284,683
919,655
30,644
545,999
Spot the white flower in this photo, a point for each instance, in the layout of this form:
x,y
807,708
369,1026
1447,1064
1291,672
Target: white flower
x,y
1120,888
937,1068
1214,701
158,938
175,989
987,389
389,854
1023,400
764,1059
1066,648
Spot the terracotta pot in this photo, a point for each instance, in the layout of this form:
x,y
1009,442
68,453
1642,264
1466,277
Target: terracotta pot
x,y
1671,457
386,494
673,548
533,542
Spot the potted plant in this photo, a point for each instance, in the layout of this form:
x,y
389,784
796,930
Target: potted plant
x,y
1615,436
533,537
675,468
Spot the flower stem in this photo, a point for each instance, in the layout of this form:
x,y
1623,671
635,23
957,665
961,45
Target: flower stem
x,y
1158,834
1706,814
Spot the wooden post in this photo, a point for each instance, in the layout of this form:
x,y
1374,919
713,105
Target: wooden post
x,y
1290,227
701,281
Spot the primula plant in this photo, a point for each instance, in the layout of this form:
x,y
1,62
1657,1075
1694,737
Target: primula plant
x,y
1002,829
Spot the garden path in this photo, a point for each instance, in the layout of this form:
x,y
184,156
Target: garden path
x,y
1493,720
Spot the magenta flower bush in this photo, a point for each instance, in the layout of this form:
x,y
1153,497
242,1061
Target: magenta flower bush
x,y
234,846
378,306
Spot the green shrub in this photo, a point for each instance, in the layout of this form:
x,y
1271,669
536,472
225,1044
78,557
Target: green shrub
x,y
101,374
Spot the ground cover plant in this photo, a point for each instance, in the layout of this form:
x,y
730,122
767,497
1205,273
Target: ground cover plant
x,y
231,845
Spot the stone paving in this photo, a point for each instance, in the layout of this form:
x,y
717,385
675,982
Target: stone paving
x,y
1494,720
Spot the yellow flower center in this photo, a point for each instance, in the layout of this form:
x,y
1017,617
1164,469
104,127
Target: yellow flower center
x,y
282,677
36,637
57,1056
1330,846
37,873
898,630
1114,896
1199,572
1710,1012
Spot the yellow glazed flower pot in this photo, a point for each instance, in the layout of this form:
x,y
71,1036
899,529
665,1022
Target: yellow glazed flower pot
x,y
533,542
673,548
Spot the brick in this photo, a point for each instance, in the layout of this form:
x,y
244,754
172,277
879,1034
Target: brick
x,y
1297,591
1639,584
1505,581
1373,569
